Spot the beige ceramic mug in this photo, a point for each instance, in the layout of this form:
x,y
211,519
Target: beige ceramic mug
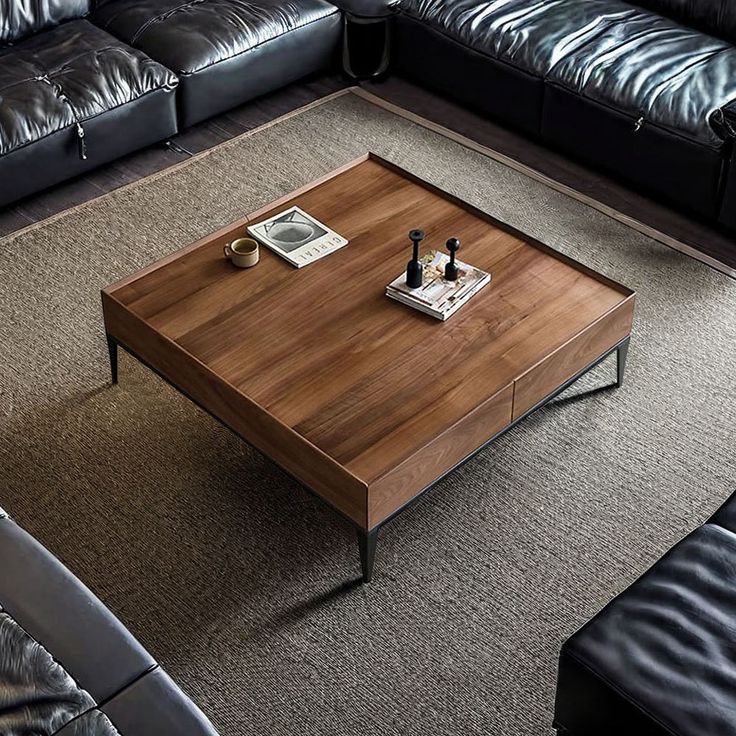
x,y
243,252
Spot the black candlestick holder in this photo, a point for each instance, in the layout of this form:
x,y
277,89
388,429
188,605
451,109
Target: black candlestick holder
x,y
451,269
414,268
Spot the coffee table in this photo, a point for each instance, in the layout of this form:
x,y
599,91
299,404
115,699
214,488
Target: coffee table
x,y
367,402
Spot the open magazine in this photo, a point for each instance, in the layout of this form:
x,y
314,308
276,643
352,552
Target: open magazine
x,y
436,296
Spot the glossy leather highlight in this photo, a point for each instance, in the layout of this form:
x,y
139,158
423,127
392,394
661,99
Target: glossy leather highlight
x,y
92,723
36,694
608,51
189,36
19,18
657,70
661,657
533,35
227,52
67,75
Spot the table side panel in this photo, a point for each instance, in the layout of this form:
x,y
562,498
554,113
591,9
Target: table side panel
x,y
572,357
397,487
288,449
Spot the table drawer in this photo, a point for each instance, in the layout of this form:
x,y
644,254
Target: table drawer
x,y
572,357
390,492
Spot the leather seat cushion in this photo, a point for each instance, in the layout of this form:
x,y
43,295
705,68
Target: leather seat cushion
x,y
91,723
153,705
73,72
19,18
36,694
605,50
532,35
192,35
666,647
227,52
654,68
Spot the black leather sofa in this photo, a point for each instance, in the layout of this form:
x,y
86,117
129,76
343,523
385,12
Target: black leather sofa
x,y
72,96
225,52
68,667
82,83
643,89
660,659
646,91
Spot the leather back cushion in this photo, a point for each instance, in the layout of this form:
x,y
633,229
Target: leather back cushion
x,y
19,18
717,17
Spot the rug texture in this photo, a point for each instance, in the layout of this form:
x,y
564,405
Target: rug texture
x,y
243,585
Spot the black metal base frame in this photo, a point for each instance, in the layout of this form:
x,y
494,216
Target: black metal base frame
x,y
368,538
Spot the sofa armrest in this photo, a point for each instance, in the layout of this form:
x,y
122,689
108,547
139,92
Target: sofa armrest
x,y
368,8
65,617
154,705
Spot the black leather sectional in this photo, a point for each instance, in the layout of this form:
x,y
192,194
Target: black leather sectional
x,y
645,90
225,52
83,82
68,667
660,659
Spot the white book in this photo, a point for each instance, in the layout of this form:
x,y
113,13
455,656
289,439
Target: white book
x,y
437,296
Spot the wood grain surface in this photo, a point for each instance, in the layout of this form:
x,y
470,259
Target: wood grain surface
x,y
317,367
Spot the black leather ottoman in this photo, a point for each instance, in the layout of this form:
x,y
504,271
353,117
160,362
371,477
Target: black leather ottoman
x,y
226,52
67,665
660,659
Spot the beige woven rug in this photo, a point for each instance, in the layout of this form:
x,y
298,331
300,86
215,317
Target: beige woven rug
x,y
239,582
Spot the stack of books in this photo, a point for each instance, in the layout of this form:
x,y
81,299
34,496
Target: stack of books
x,y
436,296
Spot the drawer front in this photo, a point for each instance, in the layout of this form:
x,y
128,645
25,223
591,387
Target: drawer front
x,y
572,357
390,492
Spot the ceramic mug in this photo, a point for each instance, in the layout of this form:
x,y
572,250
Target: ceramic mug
x,y
243,252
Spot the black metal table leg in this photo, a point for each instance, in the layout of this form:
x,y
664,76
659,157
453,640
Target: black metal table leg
x,y
112,348
367,544
621,354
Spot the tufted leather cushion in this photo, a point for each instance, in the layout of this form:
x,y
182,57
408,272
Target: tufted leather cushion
x,y
713,16
608,51
73,72
19,18
533,35
660,658
226,52
189,36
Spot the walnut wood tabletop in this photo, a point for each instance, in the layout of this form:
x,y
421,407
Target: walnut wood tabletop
x,y
366,401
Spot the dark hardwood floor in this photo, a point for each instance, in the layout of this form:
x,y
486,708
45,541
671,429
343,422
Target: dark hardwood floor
x,y
714,244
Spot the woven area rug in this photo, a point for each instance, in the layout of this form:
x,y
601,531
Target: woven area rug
x,y
243,585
